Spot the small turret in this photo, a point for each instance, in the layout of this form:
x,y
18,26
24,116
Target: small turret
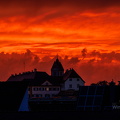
x,y
57,69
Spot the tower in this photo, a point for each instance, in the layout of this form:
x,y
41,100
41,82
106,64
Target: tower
x,y
57,68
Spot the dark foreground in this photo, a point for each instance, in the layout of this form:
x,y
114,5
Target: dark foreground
x,y
60,115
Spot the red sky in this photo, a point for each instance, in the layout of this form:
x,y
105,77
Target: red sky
x,y
85,33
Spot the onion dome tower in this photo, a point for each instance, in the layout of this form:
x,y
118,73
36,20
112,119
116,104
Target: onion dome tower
x,y
57,68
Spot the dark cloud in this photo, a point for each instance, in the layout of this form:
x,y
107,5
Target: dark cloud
x,y
90,69
36,7
106,57
84,53
74,60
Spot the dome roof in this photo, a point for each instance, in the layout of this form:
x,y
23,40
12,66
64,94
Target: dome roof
x,y
57,66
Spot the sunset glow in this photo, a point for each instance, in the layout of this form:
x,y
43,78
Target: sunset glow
x,y
66,27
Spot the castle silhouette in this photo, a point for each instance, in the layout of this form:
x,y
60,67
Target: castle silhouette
x,y
47,86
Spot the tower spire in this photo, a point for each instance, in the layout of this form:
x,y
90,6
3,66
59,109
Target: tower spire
x,y
57,55
57,68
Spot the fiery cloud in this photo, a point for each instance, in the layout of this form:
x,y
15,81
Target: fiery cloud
x,y
64,27
96,66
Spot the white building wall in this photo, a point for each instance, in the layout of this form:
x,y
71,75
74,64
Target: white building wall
x,y
73,83
38,90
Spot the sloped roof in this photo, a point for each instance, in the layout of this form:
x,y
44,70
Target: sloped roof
x,y
36,78
40,78
57,65
21,76
11,95
56,80
71,74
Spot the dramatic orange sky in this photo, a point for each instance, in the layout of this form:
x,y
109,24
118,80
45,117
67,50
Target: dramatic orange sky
x,y
85,32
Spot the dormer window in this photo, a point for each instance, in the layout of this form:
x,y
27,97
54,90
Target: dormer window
x,y
46,83
78,85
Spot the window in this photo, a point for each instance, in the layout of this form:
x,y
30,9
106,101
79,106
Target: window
x,y
42,89
47,95
34,89
70,79
70,86
54,89
57,89
39,89
89,100
78,79
78,85
47,89
50,89
53,95
37,95
33,96
98,100
90,97
40,95
82,100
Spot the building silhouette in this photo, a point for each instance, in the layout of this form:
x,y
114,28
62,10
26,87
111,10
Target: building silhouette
x,y
59,91
42,85
14,96
57,69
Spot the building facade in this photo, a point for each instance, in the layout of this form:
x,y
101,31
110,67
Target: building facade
x,y
42,85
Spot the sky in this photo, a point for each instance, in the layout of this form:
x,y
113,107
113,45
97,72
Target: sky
x,y
84,33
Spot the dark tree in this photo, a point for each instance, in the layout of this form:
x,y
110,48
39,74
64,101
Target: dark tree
x,y
101,83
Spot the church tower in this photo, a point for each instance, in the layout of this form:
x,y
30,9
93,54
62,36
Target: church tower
x,y
57,69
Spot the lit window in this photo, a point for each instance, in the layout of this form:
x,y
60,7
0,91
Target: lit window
x,y
47,89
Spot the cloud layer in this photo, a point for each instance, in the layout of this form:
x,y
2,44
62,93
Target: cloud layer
x,y
92,66
93,24
65,27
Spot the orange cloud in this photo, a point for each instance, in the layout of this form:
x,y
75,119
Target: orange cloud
x,y
63,27
95,66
